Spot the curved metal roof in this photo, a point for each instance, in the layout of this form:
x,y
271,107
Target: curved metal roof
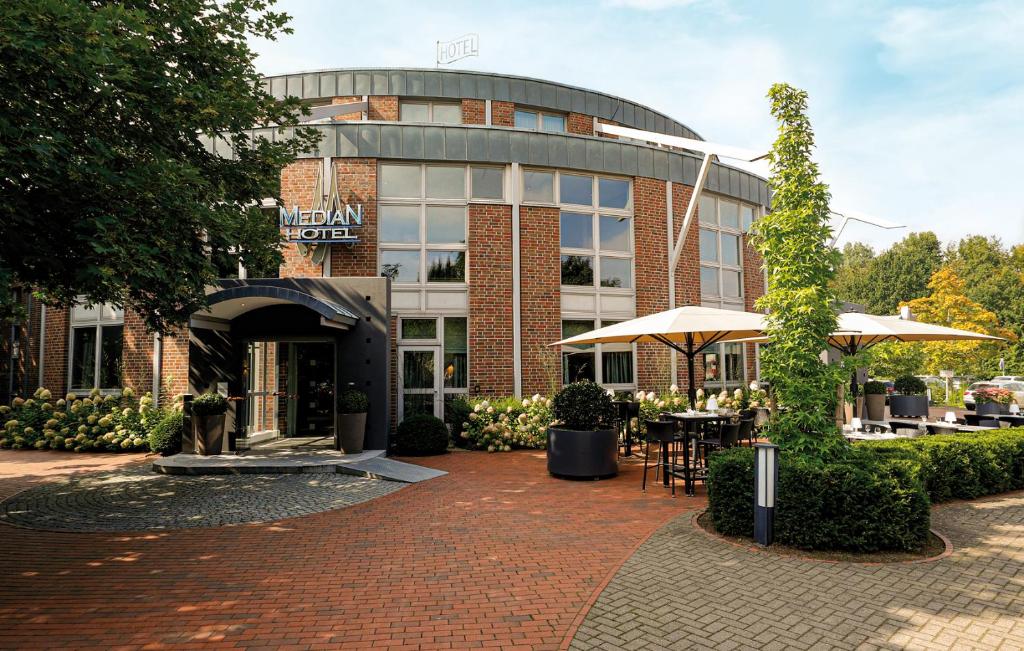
x,y
501,145
325,308
459,84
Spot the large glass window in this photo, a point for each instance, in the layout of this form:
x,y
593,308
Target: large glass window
x,y
97,336
610,365
596,247
422,223
488,183
721,255
456,353
439,112
531,119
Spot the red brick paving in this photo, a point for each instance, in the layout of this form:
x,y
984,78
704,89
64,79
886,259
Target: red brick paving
x,y
21,469
495,554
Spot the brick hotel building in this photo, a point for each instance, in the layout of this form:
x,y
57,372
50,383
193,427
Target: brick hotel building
x,y
495,220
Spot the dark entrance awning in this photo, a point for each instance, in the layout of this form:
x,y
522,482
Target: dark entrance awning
x,y
241,297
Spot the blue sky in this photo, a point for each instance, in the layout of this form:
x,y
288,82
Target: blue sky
x,y
918,107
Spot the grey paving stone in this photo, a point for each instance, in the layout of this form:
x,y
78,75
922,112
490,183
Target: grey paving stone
x,y
691,591
139,499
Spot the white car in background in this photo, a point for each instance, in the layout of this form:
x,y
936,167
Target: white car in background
x,y
1008,378
1017,388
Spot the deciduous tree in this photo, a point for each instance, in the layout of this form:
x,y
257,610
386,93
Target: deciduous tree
x,y
793,240
108,189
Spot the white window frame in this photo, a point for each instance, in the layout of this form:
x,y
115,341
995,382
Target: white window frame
x,y
539,125
430,104
598,350
96,317
436,342
422,246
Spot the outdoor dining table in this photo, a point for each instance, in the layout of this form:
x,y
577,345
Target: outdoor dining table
x,y
911,423
1015,420
690,422
956,427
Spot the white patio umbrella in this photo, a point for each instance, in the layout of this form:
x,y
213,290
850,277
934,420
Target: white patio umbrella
x,y
688,329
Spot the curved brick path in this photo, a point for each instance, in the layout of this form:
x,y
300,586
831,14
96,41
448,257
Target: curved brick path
x,y
495,554
683,589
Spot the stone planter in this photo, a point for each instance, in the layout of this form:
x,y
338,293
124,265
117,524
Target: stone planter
x,y
349,435
588,454
876,406
209,434
908,406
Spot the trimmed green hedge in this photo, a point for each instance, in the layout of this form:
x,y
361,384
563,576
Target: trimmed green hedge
x,y
421,435
962,466
865,502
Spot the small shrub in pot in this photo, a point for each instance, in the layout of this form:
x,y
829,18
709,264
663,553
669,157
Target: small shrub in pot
x,y
874,397
911,400
583,443
352,407
208,411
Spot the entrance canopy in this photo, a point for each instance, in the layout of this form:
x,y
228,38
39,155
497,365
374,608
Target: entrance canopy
x,y
230,302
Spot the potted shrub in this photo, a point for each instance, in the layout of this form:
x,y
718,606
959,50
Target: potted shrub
x,y
910,400
874,396
995,400
583,443
208,412
351,430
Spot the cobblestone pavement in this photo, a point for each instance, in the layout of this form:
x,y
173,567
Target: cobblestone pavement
x,y
684,590
495,554
138,499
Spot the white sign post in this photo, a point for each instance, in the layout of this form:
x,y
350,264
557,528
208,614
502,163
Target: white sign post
x,y
460,48
947,376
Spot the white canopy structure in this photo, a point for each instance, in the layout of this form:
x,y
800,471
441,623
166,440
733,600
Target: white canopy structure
x,y
859,331
688,329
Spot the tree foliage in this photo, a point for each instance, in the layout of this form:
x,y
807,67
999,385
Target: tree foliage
x,y
882,282
793,240
108,189
947,305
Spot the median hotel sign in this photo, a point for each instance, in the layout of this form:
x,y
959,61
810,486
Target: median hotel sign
x,y
328,221
328,226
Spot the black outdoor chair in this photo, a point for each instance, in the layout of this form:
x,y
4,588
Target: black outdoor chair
x,y
663,434
894,426
747,431
989,422
727,438
935,429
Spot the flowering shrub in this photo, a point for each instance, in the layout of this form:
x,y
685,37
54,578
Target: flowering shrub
x,y
500,424
99,423
997,395
652,405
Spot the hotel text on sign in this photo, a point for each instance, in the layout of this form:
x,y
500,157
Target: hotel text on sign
x,y
322,226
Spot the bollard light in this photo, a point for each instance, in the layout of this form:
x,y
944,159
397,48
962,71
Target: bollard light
x,y
766,476
950,417
856,424
1014,409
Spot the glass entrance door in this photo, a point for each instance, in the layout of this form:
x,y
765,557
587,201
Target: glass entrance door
x,y
420,370
311,389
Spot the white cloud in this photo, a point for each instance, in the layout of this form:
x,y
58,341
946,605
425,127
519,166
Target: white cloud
x,y
970,38
650,5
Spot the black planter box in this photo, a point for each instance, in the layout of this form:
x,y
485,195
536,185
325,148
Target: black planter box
x,y
583,454
908,406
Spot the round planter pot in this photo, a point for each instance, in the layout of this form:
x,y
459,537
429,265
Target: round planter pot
x,y
876,406
209,434
350,433
908,406
584,454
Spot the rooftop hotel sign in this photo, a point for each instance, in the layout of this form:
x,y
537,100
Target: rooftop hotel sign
x,y
322,226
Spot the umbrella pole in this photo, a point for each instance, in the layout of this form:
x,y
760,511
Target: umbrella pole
x,y
692,388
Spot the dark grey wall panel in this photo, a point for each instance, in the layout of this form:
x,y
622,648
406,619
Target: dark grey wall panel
x,y
414,82
391,141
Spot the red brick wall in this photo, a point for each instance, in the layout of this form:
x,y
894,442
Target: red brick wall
x,y
753,288
503,114
580,124
174,365
137,354
651,244
55,368
297,182
383,107
357,183
540,298
490,300
350,116
474,111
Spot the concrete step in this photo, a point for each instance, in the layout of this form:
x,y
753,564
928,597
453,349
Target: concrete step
x,y
369,463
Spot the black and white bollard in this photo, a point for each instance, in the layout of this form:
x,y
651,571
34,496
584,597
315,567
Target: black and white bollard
x,y
766,476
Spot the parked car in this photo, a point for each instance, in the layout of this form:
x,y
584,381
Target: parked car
x,y
1017,388
1008,378
969,393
